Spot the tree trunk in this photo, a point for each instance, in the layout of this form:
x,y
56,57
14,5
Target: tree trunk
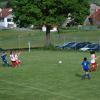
x,y
48,41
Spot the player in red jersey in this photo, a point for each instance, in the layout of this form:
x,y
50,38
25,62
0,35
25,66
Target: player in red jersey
x,y
93,64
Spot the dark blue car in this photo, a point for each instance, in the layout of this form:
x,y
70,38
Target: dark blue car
x,y
95,48
63,45
68,46
79,45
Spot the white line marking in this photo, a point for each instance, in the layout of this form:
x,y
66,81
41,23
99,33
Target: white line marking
x,y
41,90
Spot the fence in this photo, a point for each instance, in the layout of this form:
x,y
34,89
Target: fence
x,y
24,39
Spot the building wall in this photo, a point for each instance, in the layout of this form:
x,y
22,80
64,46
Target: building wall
x,y
94,15
6,23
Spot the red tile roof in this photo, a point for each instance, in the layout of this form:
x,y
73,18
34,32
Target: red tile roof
x,y
96,16
5,12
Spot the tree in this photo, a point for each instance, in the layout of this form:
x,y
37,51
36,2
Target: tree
x,y
48,12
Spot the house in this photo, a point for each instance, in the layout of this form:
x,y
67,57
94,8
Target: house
x,y
6,18
94,17
54,29
69,21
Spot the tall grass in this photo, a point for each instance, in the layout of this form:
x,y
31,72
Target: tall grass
x,y
20,39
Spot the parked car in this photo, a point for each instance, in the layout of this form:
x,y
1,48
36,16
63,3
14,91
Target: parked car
x,y
95,48
62,46
80,45
68,46
88,47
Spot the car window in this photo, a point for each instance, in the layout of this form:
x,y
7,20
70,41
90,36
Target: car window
x,y
92,45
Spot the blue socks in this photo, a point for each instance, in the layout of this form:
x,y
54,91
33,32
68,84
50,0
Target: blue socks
x,y
86,75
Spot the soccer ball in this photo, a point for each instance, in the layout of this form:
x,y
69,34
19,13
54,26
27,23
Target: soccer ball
x,y
60,62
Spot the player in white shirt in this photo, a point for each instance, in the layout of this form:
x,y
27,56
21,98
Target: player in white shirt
x,y
13,60
17,59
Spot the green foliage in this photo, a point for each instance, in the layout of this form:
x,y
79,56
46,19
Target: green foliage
x,y
5,3
51,12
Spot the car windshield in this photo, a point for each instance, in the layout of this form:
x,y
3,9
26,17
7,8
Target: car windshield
x,y
91,45
66,43
71,44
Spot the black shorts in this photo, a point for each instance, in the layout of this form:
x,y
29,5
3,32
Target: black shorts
x,y
86,70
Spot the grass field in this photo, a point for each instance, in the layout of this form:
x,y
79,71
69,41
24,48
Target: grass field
x,y
20,39
41,77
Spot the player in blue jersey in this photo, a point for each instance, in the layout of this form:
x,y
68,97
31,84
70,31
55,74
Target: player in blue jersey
x,y
85,66
4,60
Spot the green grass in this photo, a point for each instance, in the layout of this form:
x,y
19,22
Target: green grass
x,y
20,39
41,77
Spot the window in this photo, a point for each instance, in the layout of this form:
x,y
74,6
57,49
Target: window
x,y
9,20
1,19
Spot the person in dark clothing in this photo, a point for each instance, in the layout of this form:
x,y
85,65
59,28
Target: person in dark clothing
x,y
4,60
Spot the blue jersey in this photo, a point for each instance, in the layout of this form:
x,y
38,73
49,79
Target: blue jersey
x,y
85,65
3,56
4,60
